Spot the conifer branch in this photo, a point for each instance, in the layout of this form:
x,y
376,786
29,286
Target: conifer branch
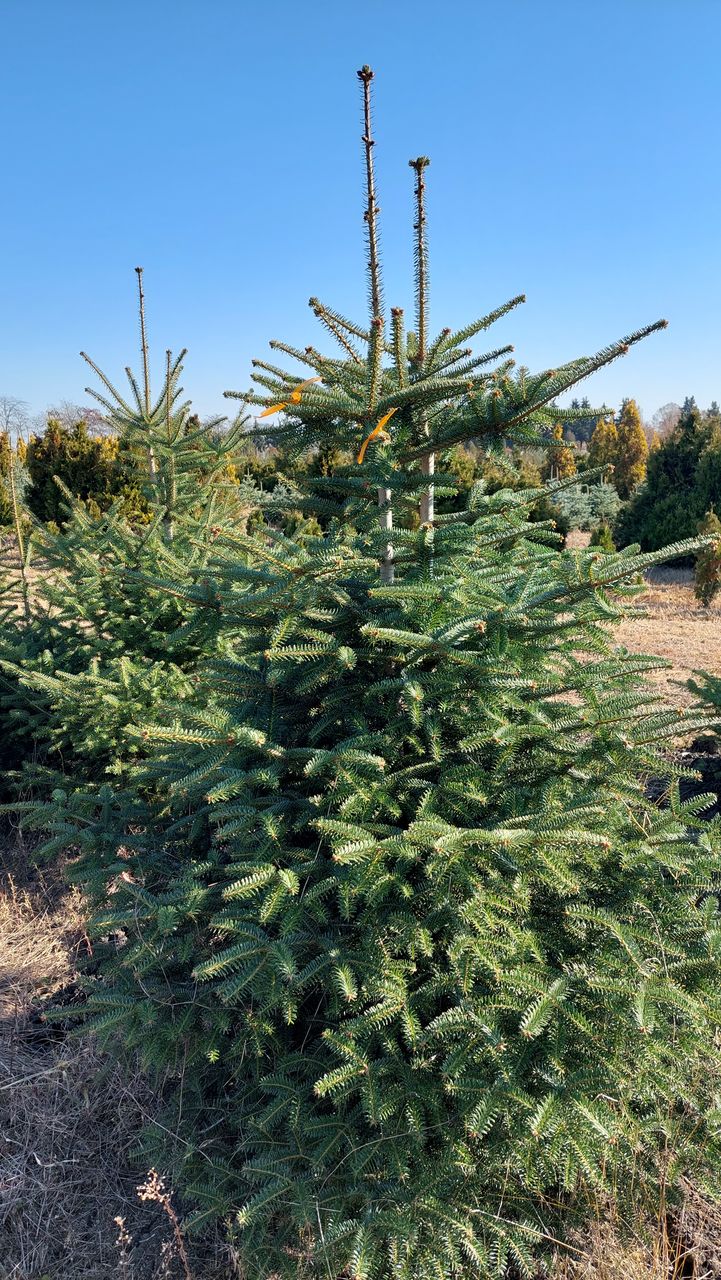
x,y
400,353
375,359
22,551
421,258
355,330
470,330
333,327
143,339
365,75
134,387
106,382
152,467
428,462
170,496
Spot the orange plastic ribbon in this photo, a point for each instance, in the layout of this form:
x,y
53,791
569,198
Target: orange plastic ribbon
x,y
376,431
294,398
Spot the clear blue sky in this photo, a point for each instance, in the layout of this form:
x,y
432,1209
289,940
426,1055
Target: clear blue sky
x,y
575,157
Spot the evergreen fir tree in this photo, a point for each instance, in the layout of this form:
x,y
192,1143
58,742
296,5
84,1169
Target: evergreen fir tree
x,y
583,427
426,965
632,450
586,506
100,642
707,579
602,537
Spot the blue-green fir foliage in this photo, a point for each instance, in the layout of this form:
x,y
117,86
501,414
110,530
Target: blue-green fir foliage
x,y
419,965
96,635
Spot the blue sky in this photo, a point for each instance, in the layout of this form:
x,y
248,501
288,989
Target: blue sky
x,y
574,150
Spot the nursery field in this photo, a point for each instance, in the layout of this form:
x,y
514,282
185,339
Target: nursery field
x,y
672,624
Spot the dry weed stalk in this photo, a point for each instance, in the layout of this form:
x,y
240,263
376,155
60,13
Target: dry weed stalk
x,y
123,1243
155,1190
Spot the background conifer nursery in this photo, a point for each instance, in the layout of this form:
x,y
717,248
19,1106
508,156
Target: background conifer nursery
x,y
103,639
428,968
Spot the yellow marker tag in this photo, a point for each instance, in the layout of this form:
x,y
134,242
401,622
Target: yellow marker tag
x,y
274,408
376,431
294,398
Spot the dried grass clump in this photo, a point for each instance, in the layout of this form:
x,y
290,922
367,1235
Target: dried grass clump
x,y
683,1244
70,1117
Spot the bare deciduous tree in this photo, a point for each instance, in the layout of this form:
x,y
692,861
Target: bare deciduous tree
x,y
67,413
664,419
13,416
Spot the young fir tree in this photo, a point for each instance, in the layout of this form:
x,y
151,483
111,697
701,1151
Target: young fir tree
x,y
602,537
426,965
632,450
98,641
707,578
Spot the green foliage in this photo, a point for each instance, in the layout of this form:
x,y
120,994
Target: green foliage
x,y
412,915
682,483
707,578
632,450
603,448
470,466
707,688
103,639
560,459
620,447
6,455
96,469
602,537
417,963
585,506
582,428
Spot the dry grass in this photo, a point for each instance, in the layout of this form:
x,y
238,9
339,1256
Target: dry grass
x,y
673,625
69,1117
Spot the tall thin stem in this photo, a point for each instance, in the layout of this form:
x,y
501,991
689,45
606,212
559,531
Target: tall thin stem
x,y
152,467
172,489
375,346
17,521
428,463
421,258
385,520
365,75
